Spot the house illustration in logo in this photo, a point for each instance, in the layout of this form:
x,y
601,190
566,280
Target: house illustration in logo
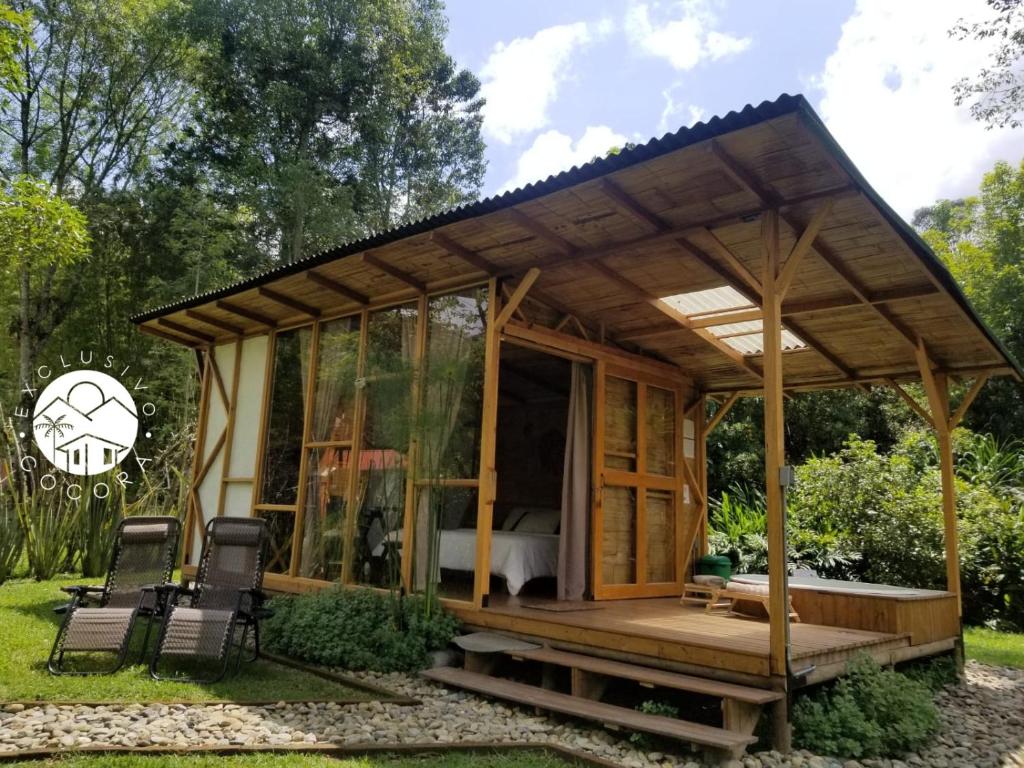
x,y
89,454
85,423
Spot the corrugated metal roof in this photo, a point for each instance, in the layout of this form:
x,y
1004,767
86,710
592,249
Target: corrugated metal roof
x,y
717,126
596,168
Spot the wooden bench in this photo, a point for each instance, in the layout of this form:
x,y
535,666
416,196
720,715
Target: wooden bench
x,y
607,714
741,705
725,599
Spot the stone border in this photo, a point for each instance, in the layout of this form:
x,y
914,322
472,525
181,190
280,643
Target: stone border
x,y
337,751
382,694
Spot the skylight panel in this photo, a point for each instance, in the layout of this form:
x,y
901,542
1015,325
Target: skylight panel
x,y
745,337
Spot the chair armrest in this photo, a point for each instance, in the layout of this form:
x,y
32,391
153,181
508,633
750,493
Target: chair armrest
x,y
81,589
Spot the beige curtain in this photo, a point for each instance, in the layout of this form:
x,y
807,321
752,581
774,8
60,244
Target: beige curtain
x,y
572,543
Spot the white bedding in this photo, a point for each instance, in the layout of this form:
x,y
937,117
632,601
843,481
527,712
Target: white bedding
x,y
516,557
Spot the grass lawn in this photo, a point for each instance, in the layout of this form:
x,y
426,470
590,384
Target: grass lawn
x,y
517,759
28,627
1002,649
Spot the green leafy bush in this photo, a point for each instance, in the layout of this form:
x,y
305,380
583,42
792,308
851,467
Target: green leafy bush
x,y
645,741
871,712
12,538
357,629
49,523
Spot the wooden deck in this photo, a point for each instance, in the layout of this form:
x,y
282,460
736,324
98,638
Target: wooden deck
x,y
684,638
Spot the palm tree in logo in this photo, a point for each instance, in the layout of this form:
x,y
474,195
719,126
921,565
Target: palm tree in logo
x,y
54,427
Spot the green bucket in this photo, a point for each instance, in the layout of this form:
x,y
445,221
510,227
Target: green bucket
x,y
715,565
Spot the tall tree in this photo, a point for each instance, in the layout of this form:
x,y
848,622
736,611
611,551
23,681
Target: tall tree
x,y
40,232
996,93
333,118
981,240
99,90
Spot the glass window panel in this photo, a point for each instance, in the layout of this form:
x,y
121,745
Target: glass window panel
x,y
389,373
661,431
620,424
661,536
280,529
378,533
323,523
285,419
451,411
335,396
445,540
618,545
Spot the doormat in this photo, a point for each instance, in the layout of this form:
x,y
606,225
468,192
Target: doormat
x,y
564,606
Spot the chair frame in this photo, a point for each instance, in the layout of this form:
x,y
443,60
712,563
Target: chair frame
x,y
171,593
81,594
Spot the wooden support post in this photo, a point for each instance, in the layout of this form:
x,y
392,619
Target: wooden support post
x,y
778,597
937,387
700,437
488,435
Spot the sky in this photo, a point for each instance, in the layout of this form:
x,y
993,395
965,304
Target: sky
x,y
566,80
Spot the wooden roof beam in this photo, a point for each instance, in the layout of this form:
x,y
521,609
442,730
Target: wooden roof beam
x,y
915,406
153,331
185,330
541,232
874,378
628,205
248,314
458,250
804,307
287,301
391,271
738,267
336,287
216,322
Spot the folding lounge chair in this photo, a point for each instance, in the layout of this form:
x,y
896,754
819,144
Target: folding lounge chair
x,y
200,623
143,558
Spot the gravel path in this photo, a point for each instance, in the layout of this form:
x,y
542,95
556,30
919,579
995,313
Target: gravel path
x,y
984,726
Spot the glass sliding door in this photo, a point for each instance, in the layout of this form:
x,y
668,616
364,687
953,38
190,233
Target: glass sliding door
x,y
640,500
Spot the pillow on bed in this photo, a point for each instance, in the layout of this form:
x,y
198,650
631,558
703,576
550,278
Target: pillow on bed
x,y
516,514
539,521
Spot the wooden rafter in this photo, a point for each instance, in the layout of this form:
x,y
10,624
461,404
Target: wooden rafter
x,y
629,205
215,322
248,314
518,311
392,271
542,232
833,303
184,329
471,257
154,331
287,301
725,254
337,287
517,297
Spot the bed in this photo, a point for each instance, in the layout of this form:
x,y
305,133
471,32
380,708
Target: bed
x,y
525,549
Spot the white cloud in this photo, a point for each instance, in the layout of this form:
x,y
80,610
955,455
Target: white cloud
x,y
554,151
677,112
685,34
520,79
886,95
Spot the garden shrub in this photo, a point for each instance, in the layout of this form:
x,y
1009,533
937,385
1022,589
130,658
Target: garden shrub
x,y
357,629
12,538
871,712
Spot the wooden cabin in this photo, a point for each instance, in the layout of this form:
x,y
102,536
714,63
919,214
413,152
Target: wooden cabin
x,y
508,403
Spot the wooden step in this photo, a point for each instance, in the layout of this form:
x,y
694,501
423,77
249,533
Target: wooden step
x,y
648,676
606,714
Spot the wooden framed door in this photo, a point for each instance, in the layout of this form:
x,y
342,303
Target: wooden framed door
x,y
640,492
